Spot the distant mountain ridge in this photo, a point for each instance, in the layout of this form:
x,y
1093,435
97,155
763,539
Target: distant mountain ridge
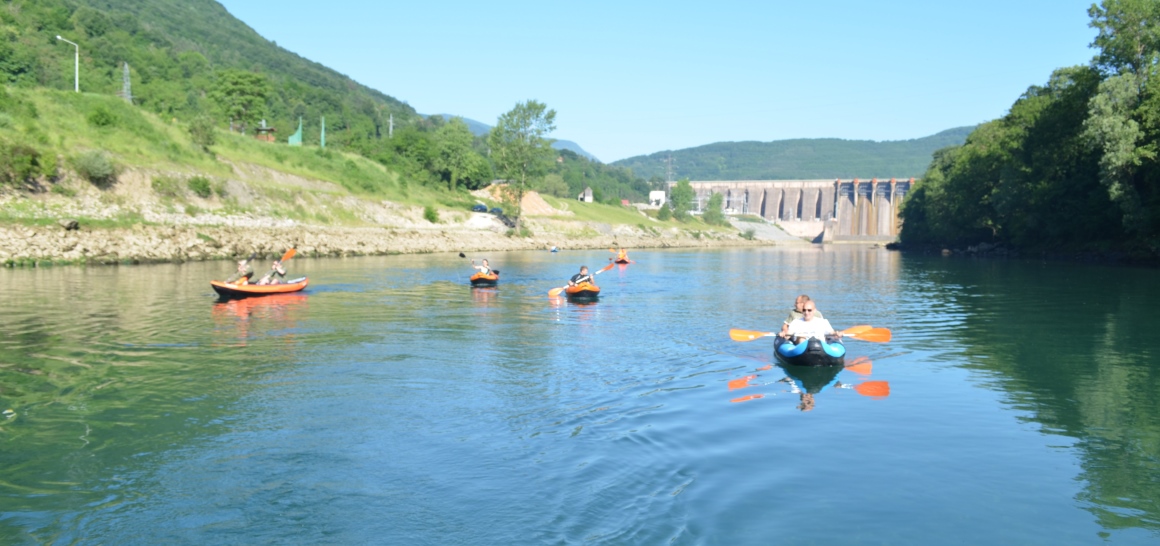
x,y
479,129
799,158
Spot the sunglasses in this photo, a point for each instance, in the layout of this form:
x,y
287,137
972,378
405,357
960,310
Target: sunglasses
x,y
807,310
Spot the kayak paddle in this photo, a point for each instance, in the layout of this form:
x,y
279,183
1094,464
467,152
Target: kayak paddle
x,y
556,291
865,333
873,389
289,254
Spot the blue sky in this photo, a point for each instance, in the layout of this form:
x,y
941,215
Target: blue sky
x,y
629,78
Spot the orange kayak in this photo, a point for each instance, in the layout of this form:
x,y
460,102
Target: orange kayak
x,y
247,290
583,290
479,279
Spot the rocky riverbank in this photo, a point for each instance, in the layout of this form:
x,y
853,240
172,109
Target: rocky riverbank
x,y
65,243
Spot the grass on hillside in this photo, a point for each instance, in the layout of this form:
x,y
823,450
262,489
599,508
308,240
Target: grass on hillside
x,y
61,126
616,214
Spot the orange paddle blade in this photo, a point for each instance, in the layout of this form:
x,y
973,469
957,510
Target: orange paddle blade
x,y
289,254
873,389
765,367
876,335
741,383
747,398
606,268
856,329
738,334
861,368
555,291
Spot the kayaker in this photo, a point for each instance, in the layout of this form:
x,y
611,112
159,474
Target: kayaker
x,y
581,277
796,313
810,326
484,269
276,269
243,275
622,255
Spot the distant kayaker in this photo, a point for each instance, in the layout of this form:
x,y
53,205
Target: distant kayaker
x,y
243,275
581,277
810,326
484,269
796,313
276,275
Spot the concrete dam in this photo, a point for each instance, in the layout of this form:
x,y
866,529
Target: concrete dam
x,y
821,210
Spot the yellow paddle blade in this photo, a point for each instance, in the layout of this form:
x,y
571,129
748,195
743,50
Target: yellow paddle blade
x,y
747,335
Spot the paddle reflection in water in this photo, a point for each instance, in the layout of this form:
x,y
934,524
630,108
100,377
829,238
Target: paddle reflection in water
x,y
486,296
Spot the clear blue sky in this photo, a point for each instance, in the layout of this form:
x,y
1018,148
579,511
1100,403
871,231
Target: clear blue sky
x,y
629,78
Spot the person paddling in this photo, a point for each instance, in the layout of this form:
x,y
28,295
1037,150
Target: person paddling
x,y
275,270
810,326
581,277
796,313
243,274
483,269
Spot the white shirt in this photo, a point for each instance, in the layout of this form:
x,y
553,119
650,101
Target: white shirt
x,y
816,328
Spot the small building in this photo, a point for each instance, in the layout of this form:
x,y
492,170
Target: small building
x,y
656,198
586,196
264,133
625,202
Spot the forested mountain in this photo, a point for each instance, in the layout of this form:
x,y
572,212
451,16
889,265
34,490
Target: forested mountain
x,y
1073,164
798,159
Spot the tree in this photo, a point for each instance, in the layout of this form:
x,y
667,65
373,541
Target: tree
x,y
453,151
681,199
201,131
1129,34
242,96
520,149
714,214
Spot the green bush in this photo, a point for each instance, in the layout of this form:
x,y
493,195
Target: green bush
x,y
430,214
166,186
19,163
202,132
665,214
101,117
200,186
748,234
98,167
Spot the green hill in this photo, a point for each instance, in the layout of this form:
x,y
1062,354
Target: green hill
x,y
799,158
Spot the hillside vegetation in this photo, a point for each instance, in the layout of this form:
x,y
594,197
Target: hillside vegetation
x,y
816,158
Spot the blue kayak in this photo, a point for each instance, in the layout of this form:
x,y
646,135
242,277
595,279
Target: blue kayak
x,y
810,352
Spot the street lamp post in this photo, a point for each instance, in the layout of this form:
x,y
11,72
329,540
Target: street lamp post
x,y
76,65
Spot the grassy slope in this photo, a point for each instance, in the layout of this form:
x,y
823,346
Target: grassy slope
x,y
57,124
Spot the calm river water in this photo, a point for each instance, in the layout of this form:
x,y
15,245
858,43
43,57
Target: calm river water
x,y
392,404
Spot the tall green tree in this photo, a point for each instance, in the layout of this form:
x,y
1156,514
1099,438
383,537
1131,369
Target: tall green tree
x,y
714,213
453,151
241,96
681,199
521,150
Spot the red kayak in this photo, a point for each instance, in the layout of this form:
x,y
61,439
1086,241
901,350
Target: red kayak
x,y
479,279
584,290
226,290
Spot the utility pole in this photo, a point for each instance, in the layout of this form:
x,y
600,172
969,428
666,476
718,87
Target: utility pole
x,y
391,126
76,65
669,168
126,91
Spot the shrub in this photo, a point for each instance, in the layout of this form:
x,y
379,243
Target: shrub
x,y
96,166
200,186
102,117
19,163
201,131
430,214
748,234
166,186
665,214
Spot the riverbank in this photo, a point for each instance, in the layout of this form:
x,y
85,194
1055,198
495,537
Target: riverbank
x,y
142,243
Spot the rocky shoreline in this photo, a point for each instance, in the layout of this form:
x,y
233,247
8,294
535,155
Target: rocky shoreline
x,y
76,243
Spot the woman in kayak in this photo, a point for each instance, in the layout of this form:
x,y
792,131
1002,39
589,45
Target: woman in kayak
x,y
243,275
484,269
